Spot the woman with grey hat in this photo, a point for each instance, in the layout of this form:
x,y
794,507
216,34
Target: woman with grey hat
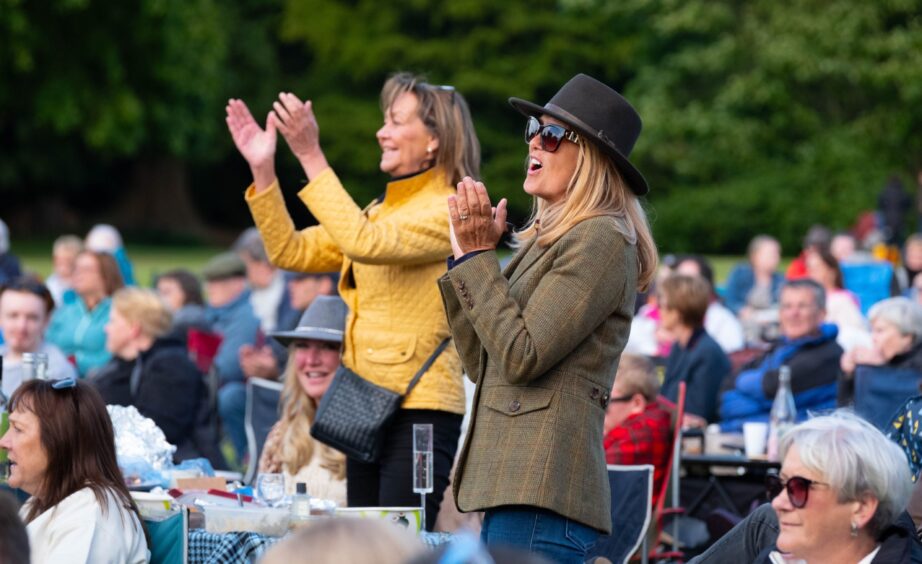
x,y
314,349
542,338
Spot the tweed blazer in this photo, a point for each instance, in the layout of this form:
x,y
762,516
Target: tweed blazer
x,y
542,342
389,256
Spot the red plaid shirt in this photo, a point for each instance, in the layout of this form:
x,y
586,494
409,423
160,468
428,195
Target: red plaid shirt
x,y
643,438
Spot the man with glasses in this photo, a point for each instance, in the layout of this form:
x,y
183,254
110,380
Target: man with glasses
x,y
636,424
808,346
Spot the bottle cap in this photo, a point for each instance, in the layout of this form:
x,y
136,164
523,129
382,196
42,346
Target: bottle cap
x,y
301,488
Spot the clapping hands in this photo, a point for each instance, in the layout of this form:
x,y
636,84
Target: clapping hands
x,y
474,224
294,119
257,145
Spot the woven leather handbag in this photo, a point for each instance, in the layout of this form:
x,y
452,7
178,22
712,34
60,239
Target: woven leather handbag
x,y
354,413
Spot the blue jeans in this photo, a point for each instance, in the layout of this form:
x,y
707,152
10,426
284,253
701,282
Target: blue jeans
x,y
539,531
232,399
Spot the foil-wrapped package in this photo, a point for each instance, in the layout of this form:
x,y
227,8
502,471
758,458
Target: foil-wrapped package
x,y
138,438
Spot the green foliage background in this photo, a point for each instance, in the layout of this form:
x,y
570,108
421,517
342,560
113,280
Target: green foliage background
x,y
759,116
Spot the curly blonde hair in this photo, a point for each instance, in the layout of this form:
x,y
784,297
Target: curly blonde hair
x,y
297,446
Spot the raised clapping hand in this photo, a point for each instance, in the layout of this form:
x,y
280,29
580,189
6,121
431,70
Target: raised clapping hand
x,y
295,120
257,145
474,224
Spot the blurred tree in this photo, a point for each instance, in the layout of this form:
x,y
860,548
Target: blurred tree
x,y
105,103
763,116
487,50
772,117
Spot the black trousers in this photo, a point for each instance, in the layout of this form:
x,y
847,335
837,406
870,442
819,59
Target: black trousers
x,y
389,481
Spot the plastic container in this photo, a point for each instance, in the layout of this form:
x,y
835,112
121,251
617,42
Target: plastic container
x,y
268,521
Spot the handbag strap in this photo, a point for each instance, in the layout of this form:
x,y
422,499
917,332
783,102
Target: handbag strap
x,y
427,365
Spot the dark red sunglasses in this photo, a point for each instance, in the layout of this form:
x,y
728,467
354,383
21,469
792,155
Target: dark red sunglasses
x,y
798,488
551,134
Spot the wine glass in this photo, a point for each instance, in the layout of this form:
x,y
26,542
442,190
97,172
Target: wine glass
x,y
270,488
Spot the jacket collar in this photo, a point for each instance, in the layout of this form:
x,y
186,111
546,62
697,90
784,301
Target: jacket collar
x,y
827,332
231,305
401,188
909,359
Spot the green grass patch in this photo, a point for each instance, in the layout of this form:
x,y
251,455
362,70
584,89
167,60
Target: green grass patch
x,y
148,261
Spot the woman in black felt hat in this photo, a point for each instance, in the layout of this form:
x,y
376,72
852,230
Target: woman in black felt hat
x,y
542,339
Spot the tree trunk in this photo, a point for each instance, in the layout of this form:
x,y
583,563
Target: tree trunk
x,y
159,200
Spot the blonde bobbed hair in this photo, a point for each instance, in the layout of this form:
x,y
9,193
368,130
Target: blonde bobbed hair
x,y
144,307
595,189
445,113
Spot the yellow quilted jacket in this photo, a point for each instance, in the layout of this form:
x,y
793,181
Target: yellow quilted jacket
x,y
390,257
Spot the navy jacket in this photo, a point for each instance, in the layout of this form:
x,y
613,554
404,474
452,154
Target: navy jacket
x,y
740,282
169,387
703,366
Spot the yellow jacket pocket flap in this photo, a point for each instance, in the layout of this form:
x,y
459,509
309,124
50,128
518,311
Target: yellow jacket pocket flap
x,y
517,400
394,349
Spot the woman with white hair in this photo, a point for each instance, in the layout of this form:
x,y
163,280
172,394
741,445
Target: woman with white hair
x,y
105,238
840,497
840,493
896,354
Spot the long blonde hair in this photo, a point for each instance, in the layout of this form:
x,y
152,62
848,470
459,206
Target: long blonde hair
x,y
298,412
595,189
445,113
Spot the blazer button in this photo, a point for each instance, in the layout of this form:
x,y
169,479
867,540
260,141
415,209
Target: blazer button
x,y
594,394
514,406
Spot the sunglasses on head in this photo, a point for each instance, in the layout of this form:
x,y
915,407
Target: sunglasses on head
x,y
63,384
551,134
798,488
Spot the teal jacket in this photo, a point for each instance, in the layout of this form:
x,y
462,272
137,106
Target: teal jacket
x,y
81,333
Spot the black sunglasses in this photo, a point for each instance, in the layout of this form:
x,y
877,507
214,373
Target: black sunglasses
x,y
551,134
621,399
798,488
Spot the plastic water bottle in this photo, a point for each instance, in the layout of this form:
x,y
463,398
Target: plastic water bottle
x,y
34,366
783,415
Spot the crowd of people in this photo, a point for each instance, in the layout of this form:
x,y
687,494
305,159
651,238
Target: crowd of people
x,y
575,351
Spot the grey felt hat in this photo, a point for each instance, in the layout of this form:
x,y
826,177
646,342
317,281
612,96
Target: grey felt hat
x,y
223,266
324,320
599,114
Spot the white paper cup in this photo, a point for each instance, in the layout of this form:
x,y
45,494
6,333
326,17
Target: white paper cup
x,y
755,436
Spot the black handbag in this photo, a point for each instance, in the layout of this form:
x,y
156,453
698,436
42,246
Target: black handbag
x,y
354,413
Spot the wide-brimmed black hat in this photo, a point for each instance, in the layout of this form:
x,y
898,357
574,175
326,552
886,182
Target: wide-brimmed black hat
x,y
599,114
324,320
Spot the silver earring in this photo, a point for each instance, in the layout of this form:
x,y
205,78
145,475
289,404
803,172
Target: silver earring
x,y
854,530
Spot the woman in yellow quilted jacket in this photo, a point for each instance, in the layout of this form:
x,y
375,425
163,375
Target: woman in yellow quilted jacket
x,y
390,255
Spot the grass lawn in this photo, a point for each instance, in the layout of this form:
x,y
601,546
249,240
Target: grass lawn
x,y
148,261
